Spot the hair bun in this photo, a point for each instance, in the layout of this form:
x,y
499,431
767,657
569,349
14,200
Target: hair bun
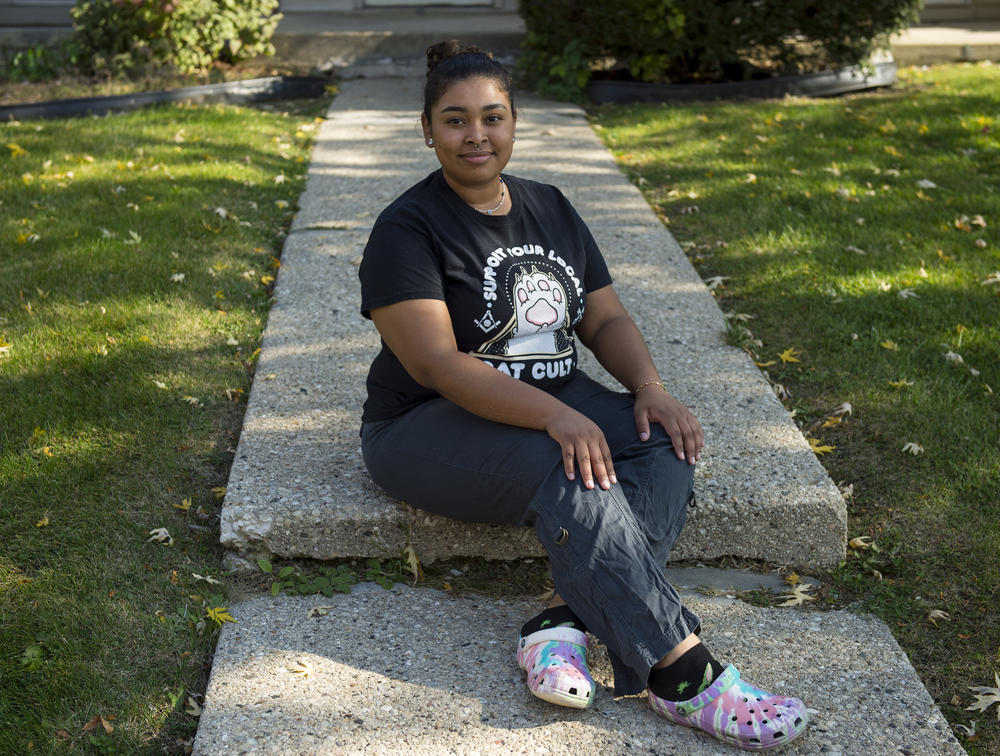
x,y
437,54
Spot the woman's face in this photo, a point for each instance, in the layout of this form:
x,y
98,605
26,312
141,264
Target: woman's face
x,y
470,113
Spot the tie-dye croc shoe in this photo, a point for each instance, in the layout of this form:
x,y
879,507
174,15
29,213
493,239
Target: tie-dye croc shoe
x,y
738,713
556,662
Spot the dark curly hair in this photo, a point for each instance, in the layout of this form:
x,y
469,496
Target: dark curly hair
x,y
450,61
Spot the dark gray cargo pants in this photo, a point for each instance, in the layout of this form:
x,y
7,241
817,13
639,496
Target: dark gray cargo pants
x,y
608,565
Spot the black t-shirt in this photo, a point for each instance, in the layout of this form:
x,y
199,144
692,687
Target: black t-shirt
x,y
514,284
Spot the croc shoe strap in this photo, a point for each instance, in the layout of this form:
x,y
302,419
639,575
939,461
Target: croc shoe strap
x,y
721,684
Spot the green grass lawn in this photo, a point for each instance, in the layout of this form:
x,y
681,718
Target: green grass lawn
x,y
137,253
862,232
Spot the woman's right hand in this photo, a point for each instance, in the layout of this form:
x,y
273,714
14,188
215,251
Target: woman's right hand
x,y
583,444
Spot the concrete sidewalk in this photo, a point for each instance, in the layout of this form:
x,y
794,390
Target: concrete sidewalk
x,y
420,671
298,486
416,671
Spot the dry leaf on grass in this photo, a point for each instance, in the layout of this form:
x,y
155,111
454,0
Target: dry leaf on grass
x,y
937,614
160,534
789,355
818,447
844,408
986,697
219,615
798,595
98,721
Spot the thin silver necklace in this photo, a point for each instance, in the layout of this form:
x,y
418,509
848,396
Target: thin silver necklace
x,y
503,194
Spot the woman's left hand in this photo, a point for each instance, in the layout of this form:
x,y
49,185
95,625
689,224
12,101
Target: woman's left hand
x,y
655,405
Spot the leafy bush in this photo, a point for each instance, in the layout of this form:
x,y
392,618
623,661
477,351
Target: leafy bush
x,y
693,40
189,35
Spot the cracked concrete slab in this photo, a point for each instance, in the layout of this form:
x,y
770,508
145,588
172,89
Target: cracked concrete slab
x,y
423,672
298,486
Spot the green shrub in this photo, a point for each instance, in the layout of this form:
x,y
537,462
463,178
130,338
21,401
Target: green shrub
x,y
694,40
567,37
189,35
37,63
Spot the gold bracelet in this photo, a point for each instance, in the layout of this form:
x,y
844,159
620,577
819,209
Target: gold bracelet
x,y
649,383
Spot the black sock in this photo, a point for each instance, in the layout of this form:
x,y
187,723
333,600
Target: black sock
x,y
694,671
557,616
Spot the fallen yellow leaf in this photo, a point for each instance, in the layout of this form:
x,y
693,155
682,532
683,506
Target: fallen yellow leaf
x,y
789,355
42,522
889,344
302,668
219,615
184,506
819,448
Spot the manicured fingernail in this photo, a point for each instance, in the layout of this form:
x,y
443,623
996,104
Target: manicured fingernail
x,y
605,484
571,476
644,436
680,455
590,484
614,479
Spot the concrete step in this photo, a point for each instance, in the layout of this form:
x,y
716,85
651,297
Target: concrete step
x,y
419,671
298,487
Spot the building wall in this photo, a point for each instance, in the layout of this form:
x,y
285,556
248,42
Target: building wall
x,y
31,21
956,11
55,13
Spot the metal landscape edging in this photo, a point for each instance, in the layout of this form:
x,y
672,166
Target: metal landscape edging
x,y
817,84
233,92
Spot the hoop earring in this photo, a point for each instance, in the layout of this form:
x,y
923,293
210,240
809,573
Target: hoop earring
x,y
513,139
430,142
